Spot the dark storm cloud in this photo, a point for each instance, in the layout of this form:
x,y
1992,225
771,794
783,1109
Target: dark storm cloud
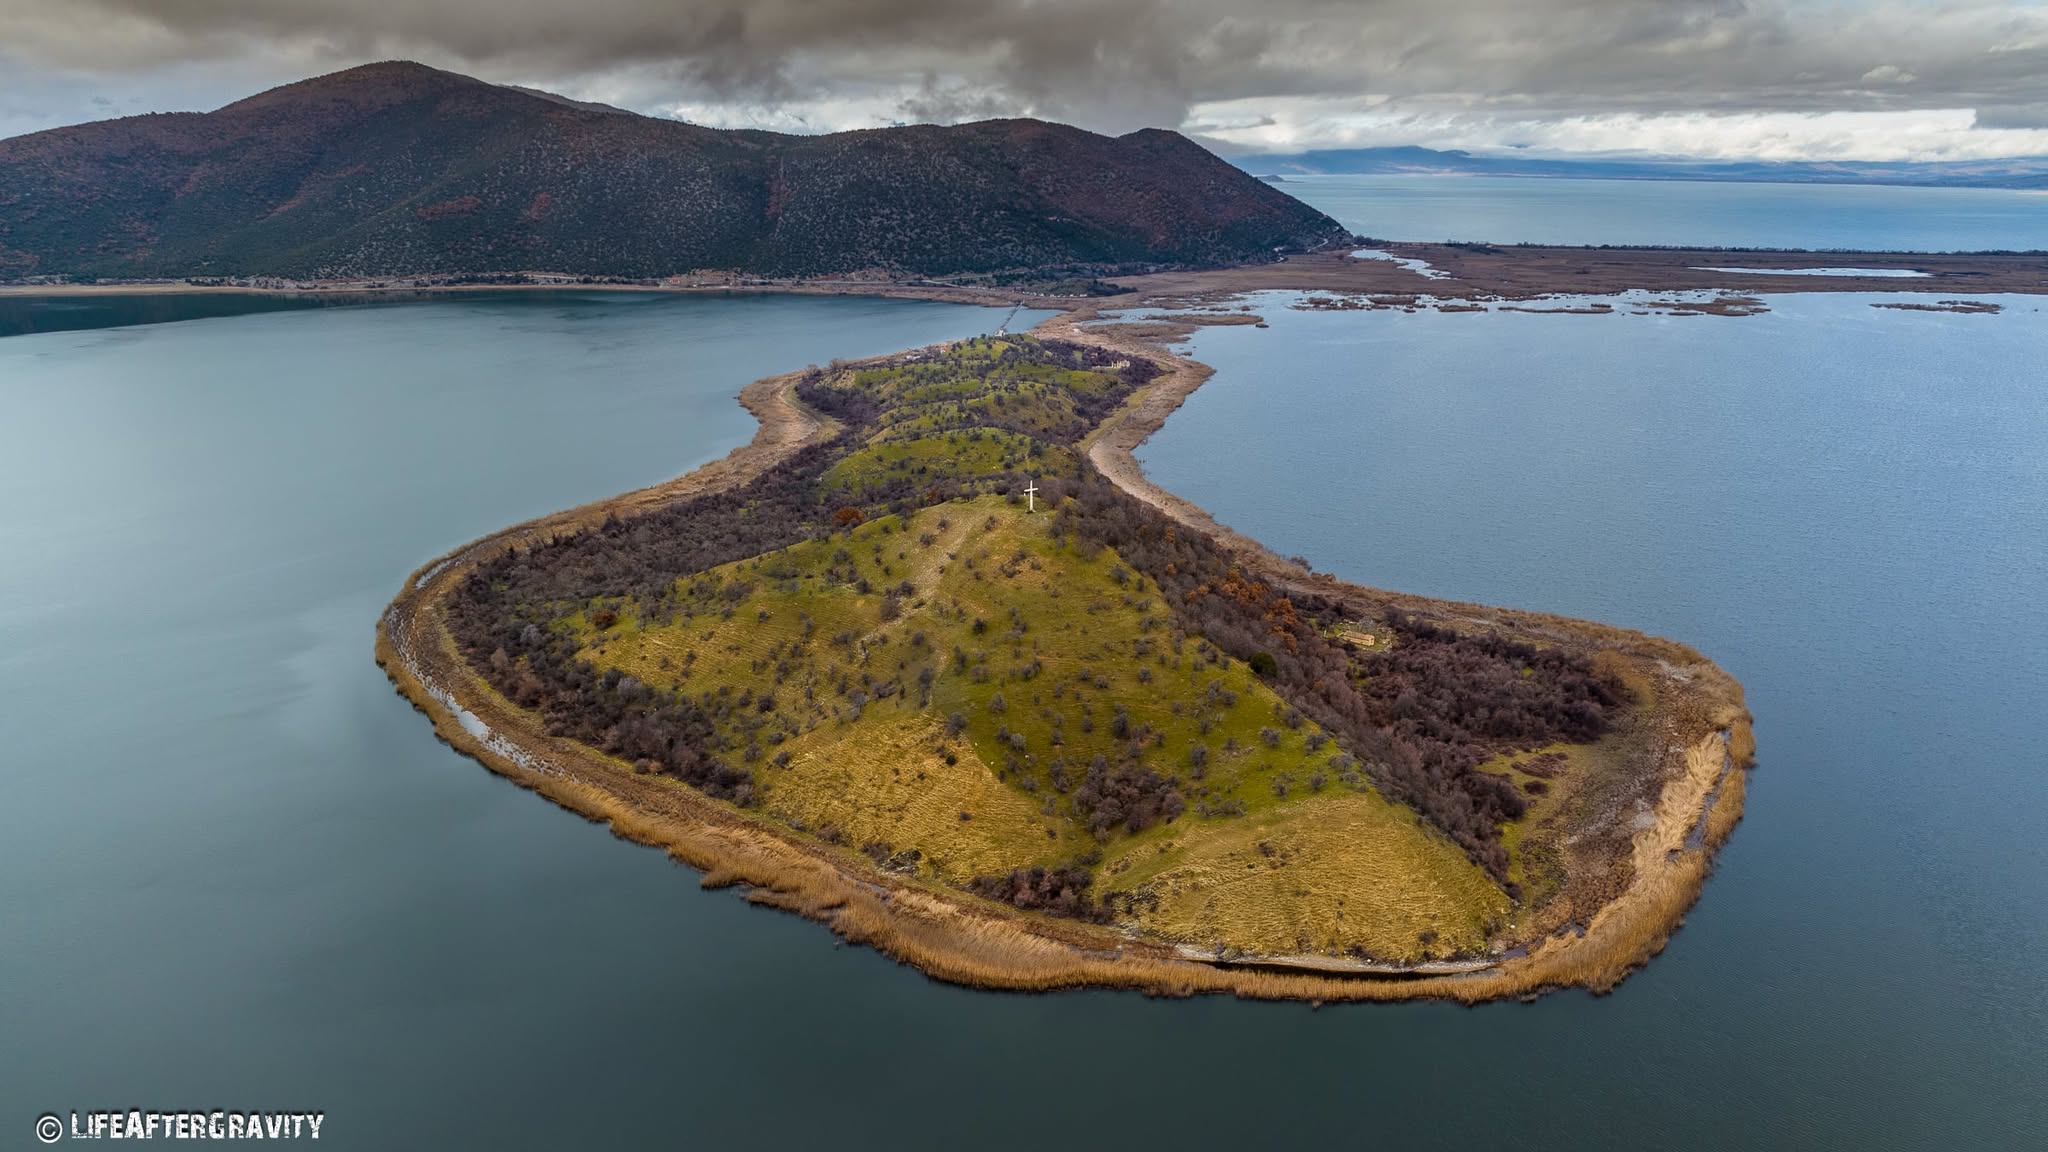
x,y
1120,63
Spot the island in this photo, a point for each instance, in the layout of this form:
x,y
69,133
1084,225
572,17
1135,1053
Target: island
x,y
930,661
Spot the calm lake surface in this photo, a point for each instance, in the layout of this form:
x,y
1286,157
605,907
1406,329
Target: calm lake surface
x,y
1844,506
238,872
1677,213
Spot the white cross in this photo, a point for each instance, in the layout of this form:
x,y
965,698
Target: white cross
x,y
1031,495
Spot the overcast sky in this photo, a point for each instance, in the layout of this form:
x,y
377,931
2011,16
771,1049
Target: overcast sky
x,y
1774,79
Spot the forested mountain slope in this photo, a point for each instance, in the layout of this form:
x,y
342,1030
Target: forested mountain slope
x,y
396,168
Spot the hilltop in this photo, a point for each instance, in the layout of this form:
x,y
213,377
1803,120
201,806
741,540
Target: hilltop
x,y
397,168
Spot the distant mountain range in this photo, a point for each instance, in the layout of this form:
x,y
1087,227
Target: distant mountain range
x,y
396,168
2025,172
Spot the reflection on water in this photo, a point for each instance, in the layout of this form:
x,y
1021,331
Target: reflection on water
x,y
22,315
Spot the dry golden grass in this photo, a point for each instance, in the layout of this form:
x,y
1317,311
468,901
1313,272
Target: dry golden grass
x,y
1727,807
881,781
1324,874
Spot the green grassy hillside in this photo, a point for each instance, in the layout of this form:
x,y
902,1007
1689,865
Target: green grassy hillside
x,y
935,688
1074,708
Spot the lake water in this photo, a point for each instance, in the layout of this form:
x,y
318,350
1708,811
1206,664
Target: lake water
x,y
1847,508
1861,217
237,872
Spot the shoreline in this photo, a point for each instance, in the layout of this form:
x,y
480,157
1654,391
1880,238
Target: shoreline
x,y
962,939
1452,271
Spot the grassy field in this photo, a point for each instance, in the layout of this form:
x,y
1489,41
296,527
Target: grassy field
x,y
932,689
951,455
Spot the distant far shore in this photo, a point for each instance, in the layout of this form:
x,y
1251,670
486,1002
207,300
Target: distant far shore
x,y
1443,271
385,290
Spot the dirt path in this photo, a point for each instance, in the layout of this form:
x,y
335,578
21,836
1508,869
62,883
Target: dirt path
x,y
1111,446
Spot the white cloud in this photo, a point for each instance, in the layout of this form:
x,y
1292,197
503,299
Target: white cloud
x,y
1300,124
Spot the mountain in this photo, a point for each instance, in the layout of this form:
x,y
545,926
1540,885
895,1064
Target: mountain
x,y
397,168
2017,172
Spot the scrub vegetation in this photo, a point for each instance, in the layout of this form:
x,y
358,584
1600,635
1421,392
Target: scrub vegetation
x,y
396,170
1062,702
